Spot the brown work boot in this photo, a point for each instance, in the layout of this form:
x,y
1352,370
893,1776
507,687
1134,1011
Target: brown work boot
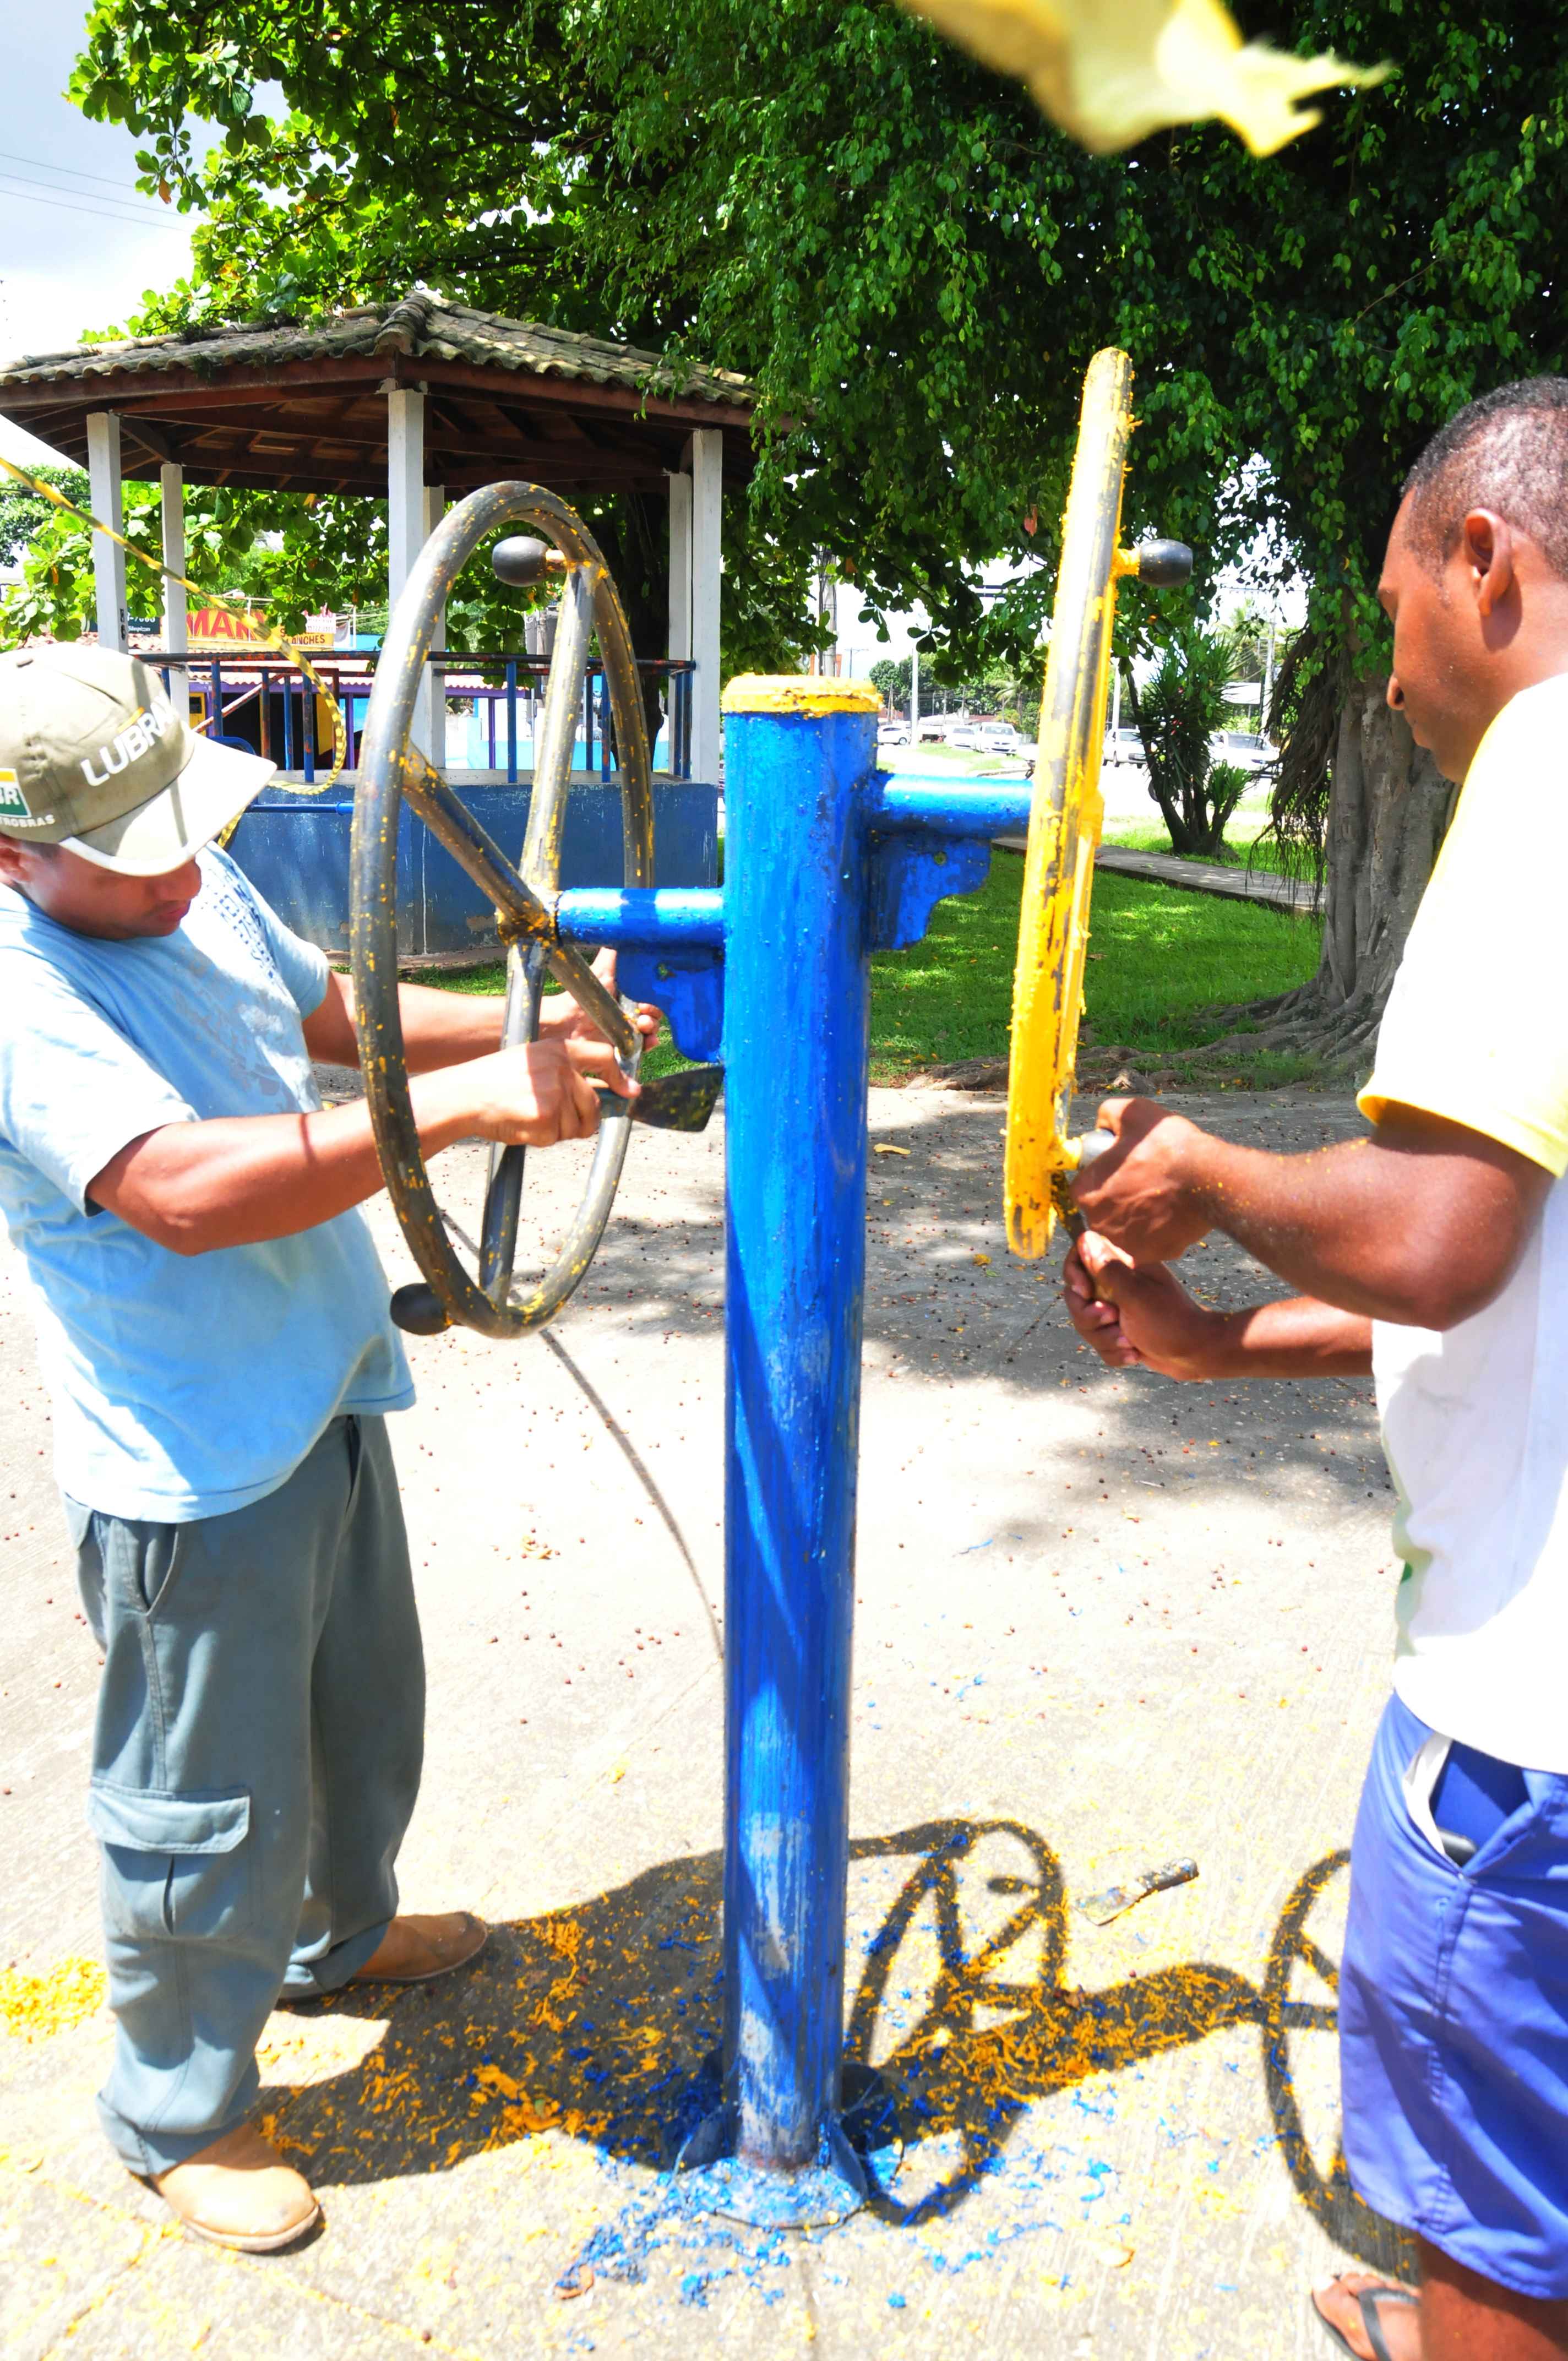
x,y
414,1949
239,2192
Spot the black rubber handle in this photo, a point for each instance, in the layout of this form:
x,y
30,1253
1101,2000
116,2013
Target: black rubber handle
x,y
520,560
416,1309
1163,565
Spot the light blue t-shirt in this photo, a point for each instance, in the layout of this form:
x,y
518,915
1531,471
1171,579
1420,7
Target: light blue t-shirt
x,y
182,1385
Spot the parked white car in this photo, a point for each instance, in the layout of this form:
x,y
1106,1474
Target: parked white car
x,y
1124,746
1000,738
1245,748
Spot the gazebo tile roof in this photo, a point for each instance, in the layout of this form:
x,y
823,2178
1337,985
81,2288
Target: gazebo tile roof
x,y
416,326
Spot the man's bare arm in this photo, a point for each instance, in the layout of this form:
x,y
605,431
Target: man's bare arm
x,y
446,1029
1422,1224
240,1179
1144,1318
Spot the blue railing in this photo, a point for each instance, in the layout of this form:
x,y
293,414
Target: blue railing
x,y
264,699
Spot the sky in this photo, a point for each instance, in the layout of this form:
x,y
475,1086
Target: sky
x,y
79,242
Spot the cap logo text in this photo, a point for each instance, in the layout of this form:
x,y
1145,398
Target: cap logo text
x,y
150,725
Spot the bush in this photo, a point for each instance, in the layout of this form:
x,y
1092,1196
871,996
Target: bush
x,y
1177,716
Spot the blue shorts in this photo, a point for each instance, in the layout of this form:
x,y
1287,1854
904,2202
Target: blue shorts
x,y
1453,2020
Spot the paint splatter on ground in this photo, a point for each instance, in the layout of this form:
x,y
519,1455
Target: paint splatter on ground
x,y
34,2008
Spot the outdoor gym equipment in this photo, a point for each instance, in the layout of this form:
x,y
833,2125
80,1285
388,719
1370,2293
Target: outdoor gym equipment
x,y
826,860
393,766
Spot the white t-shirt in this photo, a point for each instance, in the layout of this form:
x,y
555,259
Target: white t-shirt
x,y
1476,1421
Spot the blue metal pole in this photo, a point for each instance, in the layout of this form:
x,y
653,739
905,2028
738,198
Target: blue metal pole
x,y
945,808
643,918
796,1032
512,721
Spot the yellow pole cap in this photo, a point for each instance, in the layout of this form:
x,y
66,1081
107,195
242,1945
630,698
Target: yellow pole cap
x,y
809,693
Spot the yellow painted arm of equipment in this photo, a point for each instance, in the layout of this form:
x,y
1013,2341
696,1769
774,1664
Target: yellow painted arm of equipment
x,y
1069,812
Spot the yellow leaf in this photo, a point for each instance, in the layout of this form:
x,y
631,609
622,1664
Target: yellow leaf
x,y
1110,71
887,1147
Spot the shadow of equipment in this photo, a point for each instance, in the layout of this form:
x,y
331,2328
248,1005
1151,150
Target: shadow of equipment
x,y
594,2021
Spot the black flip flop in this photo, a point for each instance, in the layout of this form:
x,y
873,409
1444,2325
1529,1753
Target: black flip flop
x,y
1369,2299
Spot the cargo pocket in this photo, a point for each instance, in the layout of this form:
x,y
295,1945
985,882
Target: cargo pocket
x,y
175,1867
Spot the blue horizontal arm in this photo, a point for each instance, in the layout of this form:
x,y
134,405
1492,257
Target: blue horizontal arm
x,y
896,803
651,917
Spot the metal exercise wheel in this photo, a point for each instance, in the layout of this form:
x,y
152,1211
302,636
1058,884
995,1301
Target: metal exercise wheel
x,y
1068,811
391,768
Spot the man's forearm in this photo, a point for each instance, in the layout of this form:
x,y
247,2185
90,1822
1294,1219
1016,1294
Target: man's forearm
x,y
1298,1216
444,1028
238,1180
1374,1227
1302,1337
440,1028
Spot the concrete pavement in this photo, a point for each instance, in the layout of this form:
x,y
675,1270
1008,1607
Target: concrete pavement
x,y
1102,1622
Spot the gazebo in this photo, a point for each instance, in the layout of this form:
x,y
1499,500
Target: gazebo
x,y
417,398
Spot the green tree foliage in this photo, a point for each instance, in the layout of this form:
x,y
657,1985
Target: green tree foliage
x,y
913,265
22,512
292,553
1000,691
1177,714
893,678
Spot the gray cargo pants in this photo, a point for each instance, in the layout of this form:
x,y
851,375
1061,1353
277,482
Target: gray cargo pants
x,y
255,1764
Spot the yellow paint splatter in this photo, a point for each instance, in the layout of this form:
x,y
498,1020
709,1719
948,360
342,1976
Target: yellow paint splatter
x,y
34,2008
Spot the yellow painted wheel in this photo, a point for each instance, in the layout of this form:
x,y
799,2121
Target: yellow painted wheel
x,y
1067,813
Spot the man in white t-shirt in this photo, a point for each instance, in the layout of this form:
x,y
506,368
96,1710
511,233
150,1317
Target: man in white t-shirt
x,y
1435,1254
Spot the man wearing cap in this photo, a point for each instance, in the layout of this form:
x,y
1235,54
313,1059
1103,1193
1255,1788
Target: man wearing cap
x,y
213,1326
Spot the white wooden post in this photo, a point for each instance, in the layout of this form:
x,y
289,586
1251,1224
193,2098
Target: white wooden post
x,y
708,495
434,691
406,520
108,504
680,566
680,646
176,609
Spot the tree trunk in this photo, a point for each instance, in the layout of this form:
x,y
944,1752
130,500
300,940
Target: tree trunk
x,y
1388,812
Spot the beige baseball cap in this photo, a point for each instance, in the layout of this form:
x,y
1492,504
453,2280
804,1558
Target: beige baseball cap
x,y
93,756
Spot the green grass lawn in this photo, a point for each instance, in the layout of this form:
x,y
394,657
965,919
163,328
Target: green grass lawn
x,y
1160,960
